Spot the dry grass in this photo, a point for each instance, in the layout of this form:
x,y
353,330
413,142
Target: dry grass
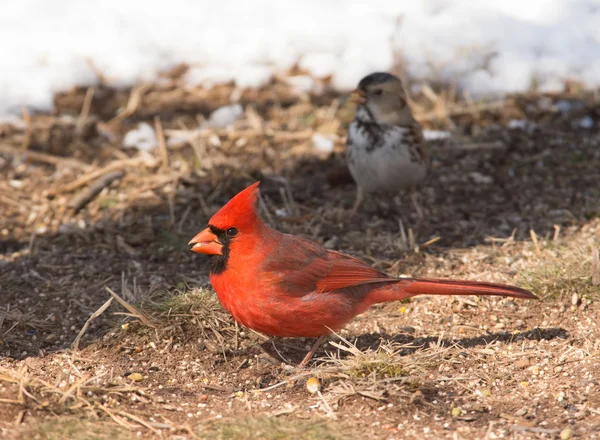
x,y
564,269
385,362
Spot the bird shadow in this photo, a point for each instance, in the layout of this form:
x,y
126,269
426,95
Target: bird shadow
x,y
407,344
374,340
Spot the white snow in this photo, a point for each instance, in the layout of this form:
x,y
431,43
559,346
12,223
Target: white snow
x,y
436,135
226,115
301,83
322,143
522,124
143,138
48,46
480,179
586,122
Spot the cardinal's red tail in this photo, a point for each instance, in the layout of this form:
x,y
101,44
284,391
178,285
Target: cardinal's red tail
x,y
408,287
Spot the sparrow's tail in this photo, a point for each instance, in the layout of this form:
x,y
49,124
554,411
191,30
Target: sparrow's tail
x,y
407,287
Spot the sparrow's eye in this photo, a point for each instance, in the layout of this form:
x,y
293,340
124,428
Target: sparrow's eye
x,y
231,232
378,92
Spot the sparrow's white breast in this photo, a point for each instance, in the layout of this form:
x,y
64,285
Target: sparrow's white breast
x,y
384,161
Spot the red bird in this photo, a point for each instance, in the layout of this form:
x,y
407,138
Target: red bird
x,y
283,285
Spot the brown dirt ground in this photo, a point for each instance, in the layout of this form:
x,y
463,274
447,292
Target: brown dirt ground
x,y
515,205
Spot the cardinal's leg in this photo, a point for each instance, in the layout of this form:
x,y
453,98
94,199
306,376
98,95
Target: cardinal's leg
x,y
312,351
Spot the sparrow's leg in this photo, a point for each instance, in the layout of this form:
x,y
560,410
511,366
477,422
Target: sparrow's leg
x,y
415,202
360,195
312,351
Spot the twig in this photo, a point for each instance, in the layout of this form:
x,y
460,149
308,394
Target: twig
x,y
7,200
556,232
171,199
71,389
328,409
86,196
20,417
184,217
16,402
131,309
158,182
97,313
431,241
122,244
282,411
289,135
595,267
43,157
457,110
535,242
27,139
263,206
113,166
137,420
118,420
534,429
85,109
32,236
288,380
162,145
135,98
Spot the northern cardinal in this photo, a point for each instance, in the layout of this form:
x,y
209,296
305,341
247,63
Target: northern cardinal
x,y
385,147
283,285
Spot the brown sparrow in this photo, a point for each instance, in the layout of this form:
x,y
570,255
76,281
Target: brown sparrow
x,y
385,146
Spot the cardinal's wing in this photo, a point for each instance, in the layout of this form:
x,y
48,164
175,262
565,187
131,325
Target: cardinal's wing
x,y
300,266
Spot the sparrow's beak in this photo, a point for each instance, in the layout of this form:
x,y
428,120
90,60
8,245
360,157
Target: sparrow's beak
x,y
358,96
206,243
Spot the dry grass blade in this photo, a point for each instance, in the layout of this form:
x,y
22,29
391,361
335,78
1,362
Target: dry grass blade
x,y
534,429
145,319
75,386
116,418
85,109
595,266
16,402
294,378
138,420
97,313
20,417
43,157
431,241
164,153
28,129
326,407
135,99
8,378
83,180
536,244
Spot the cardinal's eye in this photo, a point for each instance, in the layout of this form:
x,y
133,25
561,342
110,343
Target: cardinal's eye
x,y
231,232
378,92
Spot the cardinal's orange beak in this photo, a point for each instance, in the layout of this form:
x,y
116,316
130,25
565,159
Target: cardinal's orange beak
x,y
358,96
206,243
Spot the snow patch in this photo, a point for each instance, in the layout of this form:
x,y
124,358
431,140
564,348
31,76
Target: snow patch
x,y
225,116
322,144
487,47
143,138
